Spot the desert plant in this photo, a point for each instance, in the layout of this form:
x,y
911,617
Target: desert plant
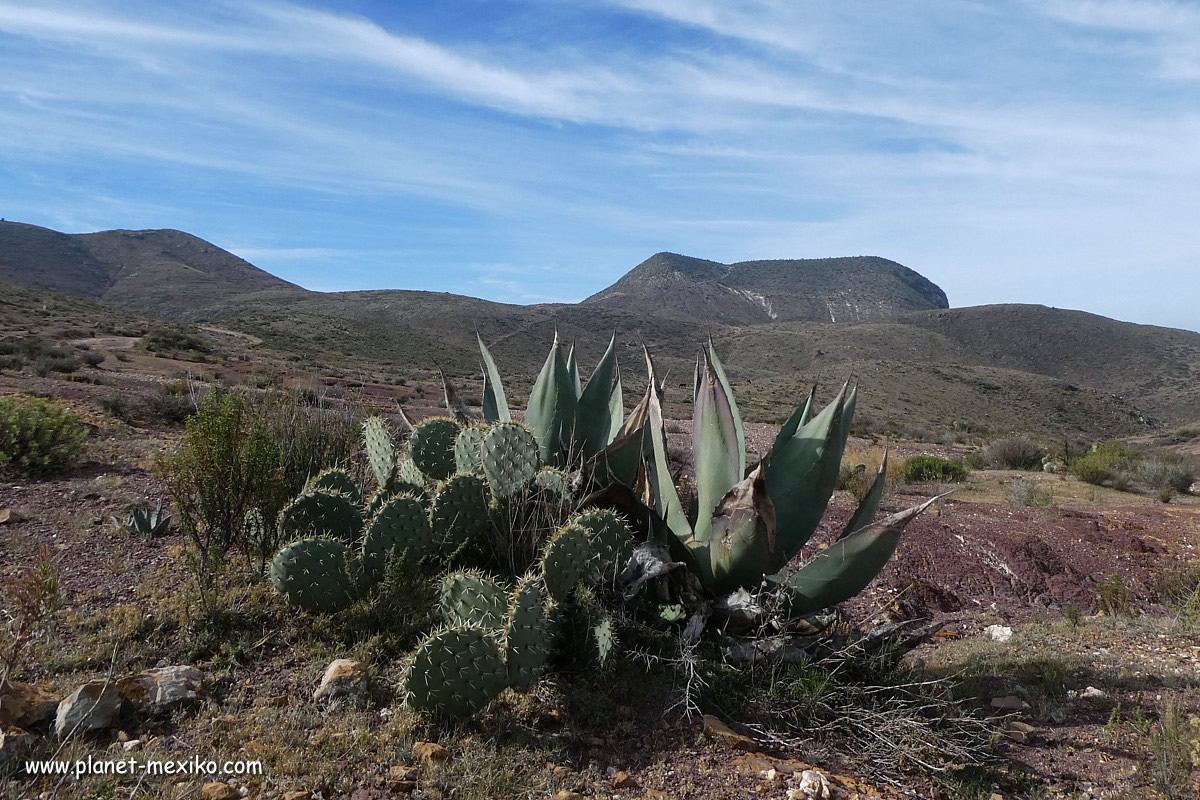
x,y
751,522
1013,452
37,436
860,466
1028,492
171,402
1113,595
1109,463
226,464
1166,475
31,600
145,523
933,469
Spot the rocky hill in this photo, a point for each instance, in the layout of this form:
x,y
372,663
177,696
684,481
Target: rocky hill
x,y
855,289
165,273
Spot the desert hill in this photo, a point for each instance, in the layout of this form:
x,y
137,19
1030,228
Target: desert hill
x,y
753,292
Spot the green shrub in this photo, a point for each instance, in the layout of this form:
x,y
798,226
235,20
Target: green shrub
x,y
1109,464
1114,596
975,460
932,469
226,464
171,402
55,363
93,358
310,437
1013,452
1167,475
37,436
175,340
1027,492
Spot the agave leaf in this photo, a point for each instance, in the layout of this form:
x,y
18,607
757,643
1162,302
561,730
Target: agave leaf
x,y
666,498
495,404
454,404
869,506
849,565
550,414
573,370
720,461
848,416
798,418
742,535
737,418
802,479
616,407
593,419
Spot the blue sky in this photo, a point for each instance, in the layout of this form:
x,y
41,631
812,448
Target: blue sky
x,y
535,150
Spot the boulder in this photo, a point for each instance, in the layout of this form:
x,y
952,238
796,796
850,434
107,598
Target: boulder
x,y
25,706
161,688
91,707
344,677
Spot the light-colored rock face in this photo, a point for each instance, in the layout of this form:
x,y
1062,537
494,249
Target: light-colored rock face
x,y
162,687
344,677
15,745
91,707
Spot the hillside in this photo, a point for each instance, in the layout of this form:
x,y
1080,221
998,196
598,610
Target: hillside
x,y
1008,367
164,273
755,292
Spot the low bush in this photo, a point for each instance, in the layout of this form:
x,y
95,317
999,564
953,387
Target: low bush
x,y
861,466
171,402
37,436
933,469
175,340
1167,475
1013,452
1027,492
1113,595
1108,464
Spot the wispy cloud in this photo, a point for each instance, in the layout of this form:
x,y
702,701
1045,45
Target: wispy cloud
x,y
1009,152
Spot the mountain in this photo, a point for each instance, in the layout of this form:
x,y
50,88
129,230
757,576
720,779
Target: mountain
x,y
157,272
855,289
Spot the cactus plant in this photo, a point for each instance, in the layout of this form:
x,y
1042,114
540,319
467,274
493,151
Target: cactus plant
x,y
320,576
527,636
459,512
335,481
510,458
470,598
432,446
381,454
322,513
400,529
468,448
455,672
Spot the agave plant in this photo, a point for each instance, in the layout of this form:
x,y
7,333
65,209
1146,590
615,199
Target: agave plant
x,y
751,522
147,524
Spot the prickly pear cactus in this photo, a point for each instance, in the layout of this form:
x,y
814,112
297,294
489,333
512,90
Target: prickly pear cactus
x,y
469,598
459,513
381,454
335,481
527,636
407,473
455,673
399,529
601,639
317,513
509,453
611,540
432,447
320,576
468,449
566,561
555,483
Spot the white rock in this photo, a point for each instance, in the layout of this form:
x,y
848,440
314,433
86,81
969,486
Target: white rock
x,y
998,633
813,785
131,745
344,677
91,707
1092,691
162,687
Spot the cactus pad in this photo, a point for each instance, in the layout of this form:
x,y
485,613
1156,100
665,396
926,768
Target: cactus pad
x,y
611,541
408,473
601,639
432,447
509,453
335,481
566,561
527,634
381,454
322,514
400,528
469,598
555,483
460,512
468,448
455,673
317,575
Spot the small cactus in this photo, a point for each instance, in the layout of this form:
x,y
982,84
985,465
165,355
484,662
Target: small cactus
x,y
509,454
432,447
320,576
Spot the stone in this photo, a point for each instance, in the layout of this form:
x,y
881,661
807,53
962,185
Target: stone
x,y
15,744
998,633
718,731
93,706
297,794
565,795
162,687
25,706
219,791
430,752
1093,693
402,779
344,677
623,780
273,701
1019,732
1009,702
9,516
813,785
131,745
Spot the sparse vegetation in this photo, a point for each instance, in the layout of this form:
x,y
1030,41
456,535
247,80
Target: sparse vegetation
x,y
934,469
1108,464
1013,452
1113,595
37,436
1029,492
